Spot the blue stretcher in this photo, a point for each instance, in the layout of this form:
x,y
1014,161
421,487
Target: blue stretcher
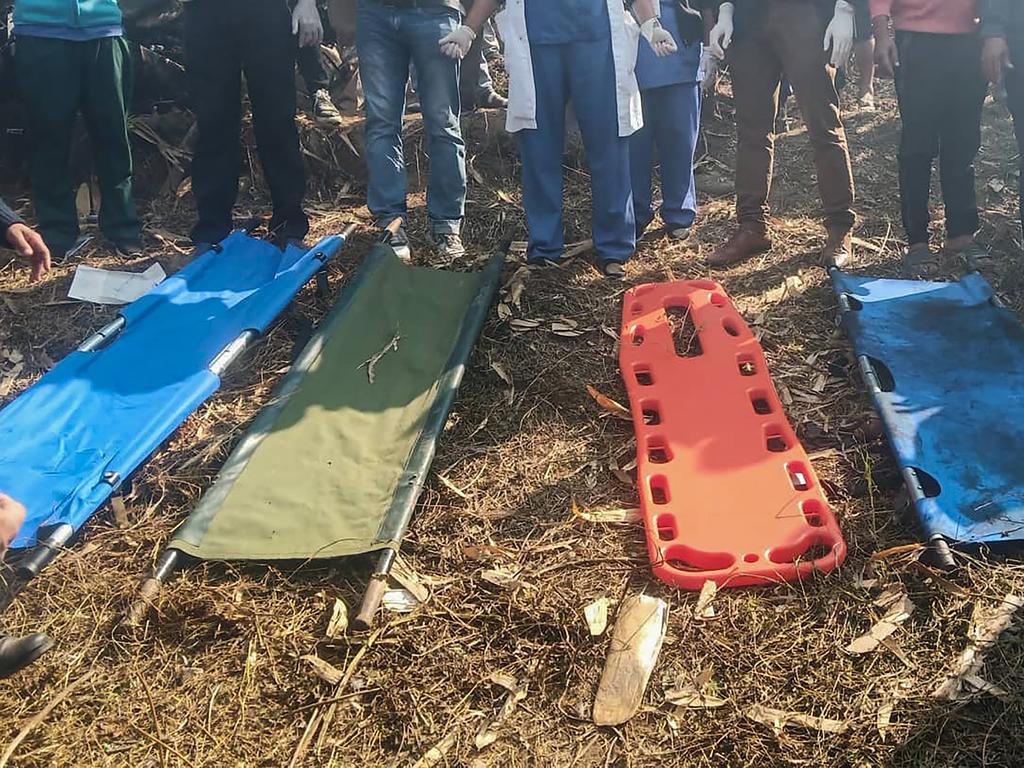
x,y
70,440
945,366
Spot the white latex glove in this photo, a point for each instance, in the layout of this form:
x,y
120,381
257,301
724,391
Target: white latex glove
x,y
306,23
839,35
456,45
660,38
721,34
709,66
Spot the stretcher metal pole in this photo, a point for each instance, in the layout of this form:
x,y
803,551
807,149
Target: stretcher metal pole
x,y
170,559
418,466
938,547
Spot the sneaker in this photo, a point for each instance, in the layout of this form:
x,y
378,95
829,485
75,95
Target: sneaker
x,y
200,248
615,270
678,233
399,242
324,111
129,249
449,246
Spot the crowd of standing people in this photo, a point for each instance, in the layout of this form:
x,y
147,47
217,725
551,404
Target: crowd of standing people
x,y
632,71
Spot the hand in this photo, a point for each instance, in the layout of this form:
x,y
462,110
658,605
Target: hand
x,y
709,66
29,245
839,34
306,24
995,58
887,57
720,36
659,38
456,45
12,515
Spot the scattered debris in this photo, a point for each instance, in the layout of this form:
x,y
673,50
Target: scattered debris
x,y
689,692
403,574
596,614
501,578
630,515
371,363
632,653
324,670
898,607
400,601
488,732
883,717
704,609
778,720
965,683
338,623
436,754
105,286
615,409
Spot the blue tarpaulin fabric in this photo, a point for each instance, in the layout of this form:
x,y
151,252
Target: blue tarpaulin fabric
x,y
949,365
100,414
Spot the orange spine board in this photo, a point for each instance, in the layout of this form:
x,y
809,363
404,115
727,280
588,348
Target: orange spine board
x,y
726,490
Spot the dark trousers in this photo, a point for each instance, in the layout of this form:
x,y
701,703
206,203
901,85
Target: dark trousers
x,y
311,67
941,90
1015,98
475,84
787,40
223,40
58,79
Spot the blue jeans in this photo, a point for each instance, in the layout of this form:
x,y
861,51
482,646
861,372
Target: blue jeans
x,y
583,73
671,125
389,39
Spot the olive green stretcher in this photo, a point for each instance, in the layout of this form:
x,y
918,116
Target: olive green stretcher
x,y
334,464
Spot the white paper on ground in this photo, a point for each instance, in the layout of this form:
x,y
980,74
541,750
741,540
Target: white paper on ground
x,y
104,286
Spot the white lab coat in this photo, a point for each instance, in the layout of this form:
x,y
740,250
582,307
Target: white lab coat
x,y
522,92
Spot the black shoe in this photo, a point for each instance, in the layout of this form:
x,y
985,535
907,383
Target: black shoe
x,y
678,233
129,249
16,653
200,248
449,246
399,242
615,270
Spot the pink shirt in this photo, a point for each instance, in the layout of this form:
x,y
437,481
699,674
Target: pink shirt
x,y
944,17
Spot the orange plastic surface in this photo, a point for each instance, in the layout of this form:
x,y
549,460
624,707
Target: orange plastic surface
x,y
727,491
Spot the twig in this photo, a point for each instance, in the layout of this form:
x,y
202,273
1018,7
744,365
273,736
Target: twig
x,y
40,716
156,720
391,346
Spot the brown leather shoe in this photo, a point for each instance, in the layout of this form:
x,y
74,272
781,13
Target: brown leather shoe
x,y
747,241
838,250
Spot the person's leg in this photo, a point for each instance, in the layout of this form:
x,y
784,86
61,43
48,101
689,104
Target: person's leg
x,y
676,128
1015,99
541,150
960,137
796,36
214,64
384,65
593,93
311,67
922,97
864,57
268,59
641,162
756,74
107,93
50,77
438,86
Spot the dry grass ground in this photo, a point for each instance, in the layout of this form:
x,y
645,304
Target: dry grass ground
x,y
214,677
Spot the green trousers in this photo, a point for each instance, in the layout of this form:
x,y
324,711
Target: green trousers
x,y
58,79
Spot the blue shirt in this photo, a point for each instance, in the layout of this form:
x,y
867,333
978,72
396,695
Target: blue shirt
x,y
554,22
75,34
678,68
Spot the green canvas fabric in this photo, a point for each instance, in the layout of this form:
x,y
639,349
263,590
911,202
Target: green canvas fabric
x,y
323,477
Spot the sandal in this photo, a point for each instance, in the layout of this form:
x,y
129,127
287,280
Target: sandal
x,y
615,270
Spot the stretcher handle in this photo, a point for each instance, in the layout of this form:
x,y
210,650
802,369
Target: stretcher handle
x,y
150,588
44,553
375,590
